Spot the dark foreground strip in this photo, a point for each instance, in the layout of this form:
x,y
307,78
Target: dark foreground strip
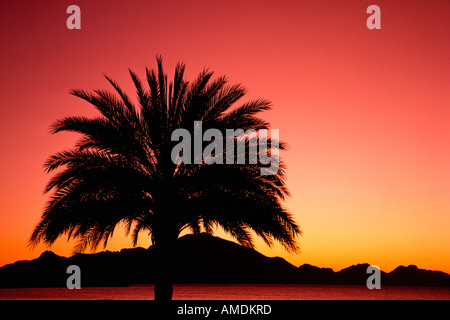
x,y
224,309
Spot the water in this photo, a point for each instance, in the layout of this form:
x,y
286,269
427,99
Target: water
x,y
233,292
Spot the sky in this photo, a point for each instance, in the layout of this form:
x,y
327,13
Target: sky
x,y
365,113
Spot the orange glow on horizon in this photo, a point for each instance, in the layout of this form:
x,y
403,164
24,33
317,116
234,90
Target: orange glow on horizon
x,y
365,113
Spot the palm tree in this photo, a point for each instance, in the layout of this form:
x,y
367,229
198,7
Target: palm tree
x,y
121,171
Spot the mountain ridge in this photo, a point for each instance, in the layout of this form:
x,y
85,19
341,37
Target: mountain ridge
x,y
201,258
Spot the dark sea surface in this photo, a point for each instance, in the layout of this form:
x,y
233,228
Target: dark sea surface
x,y
233,292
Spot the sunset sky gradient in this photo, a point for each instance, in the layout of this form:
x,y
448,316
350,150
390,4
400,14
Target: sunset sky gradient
x,y
365,113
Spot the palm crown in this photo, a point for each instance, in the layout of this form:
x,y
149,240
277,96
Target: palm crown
x,y
121,170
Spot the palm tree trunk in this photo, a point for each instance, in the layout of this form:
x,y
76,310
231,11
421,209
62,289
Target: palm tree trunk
x,y
165,253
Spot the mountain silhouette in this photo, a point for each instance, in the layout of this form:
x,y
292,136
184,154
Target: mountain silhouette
x,y
314,275
202,258
411,275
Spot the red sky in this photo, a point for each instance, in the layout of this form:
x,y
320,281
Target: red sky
x,y
365,112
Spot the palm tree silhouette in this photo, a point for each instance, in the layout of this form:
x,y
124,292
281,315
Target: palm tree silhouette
x,y
121,171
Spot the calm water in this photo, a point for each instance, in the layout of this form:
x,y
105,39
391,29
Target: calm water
x,y
233,292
